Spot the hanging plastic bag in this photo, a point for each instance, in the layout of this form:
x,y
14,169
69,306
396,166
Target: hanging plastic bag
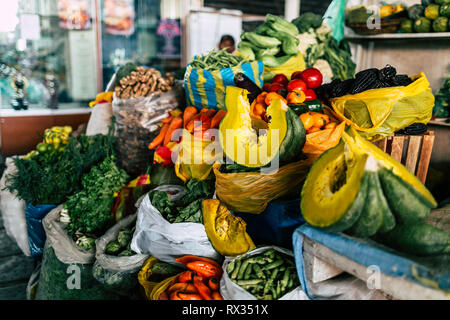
x,y
66,269
13,211
251,191
116,273
193,160
378,113
295,63
334,17
166,241
231,291
137,124
35,230
206,89
100,119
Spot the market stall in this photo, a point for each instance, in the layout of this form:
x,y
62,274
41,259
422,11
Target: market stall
x,y
260,175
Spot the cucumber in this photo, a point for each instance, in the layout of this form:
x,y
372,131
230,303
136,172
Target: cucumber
x,y
417,239
407,208
164,268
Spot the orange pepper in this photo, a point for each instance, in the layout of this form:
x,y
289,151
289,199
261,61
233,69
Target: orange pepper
x,y
331,125
259,109
296,96
307,120
205,269
273,95
261,97
320,119
183,287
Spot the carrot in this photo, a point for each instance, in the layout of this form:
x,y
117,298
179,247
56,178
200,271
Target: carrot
x,y
189,258
207,112
215,121
175,124
167,120
202,288
213,283
183,287
159,138
205,269
188,114
190,125
216,295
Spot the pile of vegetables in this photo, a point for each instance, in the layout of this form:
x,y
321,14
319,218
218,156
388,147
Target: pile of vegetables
x,y
186,209
216,60
88,211
121,246
273,42
442,102
200,282
429,16
51,177
267,276
320,50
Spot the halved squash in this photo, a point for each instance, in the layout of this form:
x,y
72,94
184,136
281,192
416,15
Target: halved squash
x,y
226,232
240,141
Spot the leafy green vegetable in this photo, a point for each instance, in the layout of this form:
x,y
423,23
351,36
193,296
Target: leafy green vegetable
x,y
50,178
186,209
86,243
306,21
125,70
89,209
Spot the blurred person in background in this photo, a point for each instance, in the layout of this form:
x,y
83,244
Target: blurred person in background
x,y
227,41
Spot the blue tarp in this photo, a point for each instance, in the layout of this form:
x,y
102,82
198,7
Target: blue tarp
x,y
368,253
275,225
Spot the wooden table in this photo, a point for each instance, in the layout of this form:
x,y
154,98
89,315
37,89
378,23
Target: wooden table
x,y
21,131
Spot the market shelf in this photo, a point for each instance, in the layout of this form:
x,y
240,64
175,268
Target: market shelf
x,y
399,36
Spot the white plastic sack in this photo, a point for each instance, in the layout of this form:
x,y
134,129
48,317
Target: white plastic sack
x,y
231,291
117,273
100,119
166,241
13,211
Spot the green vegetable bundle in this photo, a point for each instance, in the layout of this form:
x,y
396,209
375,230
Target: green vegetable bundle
x,y
51,178
442,100
273,42
186,209
90,208
121,245
268,275
216,60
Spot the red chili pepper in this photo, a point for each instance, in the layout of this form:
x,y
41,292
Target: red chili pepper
x,y
205,269
188,258
186,276
213,283
202,288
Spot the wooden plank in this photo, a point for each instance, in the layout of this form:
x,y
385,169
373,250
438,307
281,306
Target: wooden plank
x,y
397,147
397,287
412,154
425,156
382,144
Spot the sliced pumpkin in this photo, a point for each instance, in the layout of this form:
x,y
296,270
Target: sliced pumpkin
x,y
226,232
240,141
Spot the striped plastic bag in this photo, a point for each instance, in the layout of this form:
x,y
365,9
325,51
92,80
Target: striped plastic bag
x,y
206,89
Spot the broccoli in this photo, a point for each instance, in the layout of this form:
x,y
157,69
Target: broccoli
x,y
306,21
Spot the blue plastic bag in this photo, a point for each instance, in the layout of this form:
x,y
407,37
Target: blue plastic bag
x,y
36,232
276,224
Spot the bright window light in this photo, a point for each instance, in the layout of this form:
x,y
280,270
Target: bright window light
x,y
8,16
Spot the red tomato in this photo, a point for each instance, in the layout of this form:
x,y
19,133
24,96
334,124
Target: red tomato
x,y
310,95
312,77
296,84
275,87
296,75
280,78
266,87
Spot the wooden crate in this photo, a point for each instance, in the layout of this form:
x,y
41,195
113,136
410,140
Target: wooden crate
x,y
414,152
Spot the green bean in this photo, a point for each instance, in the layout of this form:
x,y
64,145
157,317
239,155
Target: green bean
x,y
242,269
248,282
236,269
273,265
248,271
259,271
230,267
